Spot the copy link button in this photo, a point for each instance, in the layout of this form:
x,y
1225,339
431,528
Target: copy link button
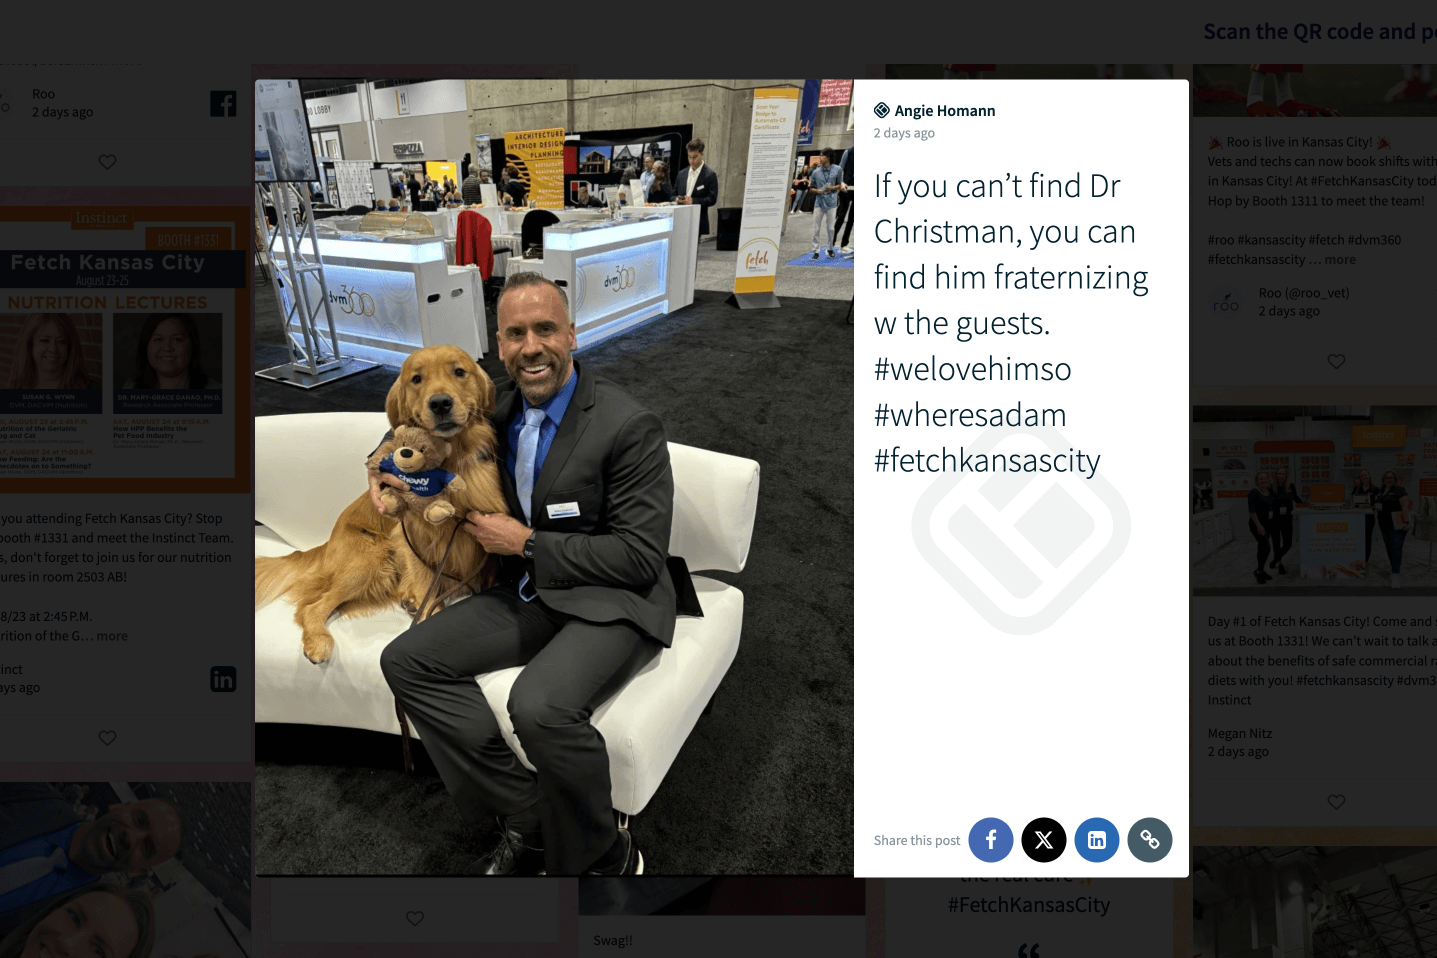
x,y
1096,840
1150,840
991,840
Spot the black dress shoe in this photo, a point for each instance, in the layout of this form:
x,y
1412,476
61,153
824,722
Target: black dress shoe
x,y
516,854
631,864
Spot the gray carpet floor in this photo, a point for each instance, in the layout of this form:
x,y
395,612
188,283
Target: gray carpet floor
x,y
764,784
716,267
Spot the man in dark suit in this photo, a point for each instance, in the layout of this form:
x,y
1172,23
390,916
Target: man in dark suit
x,y
585,600
697,183
46,850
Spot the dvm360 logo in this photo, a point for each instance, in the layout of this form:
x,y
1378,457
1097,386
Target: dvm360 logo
x,y
352,301
623,278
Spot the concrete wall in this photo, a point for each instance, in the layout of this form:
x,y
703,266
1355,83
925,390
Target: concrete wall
x,y
438,118
830,128
720,111
445,137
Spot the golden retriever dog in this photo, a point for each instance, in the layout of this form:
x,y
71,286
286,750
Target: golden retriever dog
x,y
373,560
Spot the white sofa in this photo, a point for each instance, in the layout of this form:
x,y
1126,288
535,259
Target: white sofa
x,y
644,724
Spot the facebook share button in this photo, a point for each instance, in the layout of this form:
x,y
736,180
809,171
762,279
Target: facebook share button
x,y
1096,840
991,840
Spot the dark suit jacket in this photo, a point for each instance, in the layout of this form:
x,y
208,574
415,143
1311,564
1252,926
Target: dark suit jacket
x,y
610,456
705,192
29,810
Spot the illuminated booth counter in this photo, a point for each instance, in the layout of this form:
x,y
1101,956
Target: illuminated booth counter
x,y
391,295
621,272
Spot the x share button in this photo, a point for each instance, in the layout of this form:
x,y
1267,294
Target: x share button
x,y
1044,840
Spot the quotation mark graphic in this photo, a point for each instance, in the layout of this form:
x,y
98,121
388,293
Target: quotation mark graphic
x,y
1020,548
881,110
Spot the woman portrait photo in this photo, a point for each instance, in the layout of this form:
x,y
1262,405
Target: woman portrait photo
x,y
49,354
93,919
171,350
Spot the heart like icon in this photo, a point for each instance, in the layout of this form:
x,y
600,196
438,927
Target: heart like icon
x,y
108,160
415,917
1335,360
1337,801
107,736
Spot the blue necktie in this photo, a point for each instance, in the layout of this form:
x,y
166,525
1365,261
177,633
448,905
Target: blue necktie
x,y
525,466
26,870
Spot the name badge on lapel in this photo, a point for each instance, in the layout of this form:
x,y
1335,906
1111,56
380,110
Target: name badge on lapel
x,y
563,510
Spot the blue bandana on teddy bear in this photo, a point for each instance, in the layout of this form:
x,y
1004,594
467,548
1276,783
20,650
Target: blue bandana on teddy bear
x,y
428,483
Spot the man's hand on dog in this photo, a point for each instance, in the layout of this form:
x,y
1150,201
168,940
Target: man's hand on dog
x,y
377,482
499,533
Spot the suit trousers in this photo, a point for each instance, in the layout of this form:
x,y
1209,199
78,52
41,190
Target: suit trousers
x,y
822,217
571,667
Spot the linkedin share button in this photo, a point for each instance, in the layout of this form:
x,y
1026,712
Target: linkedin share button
x,y
1044,840
991,840
1150,840
1096,840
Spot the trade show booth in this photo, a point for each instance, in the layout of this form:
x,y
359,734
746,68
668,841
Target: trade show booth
x,y
620,272
1337,526
392,281
391,294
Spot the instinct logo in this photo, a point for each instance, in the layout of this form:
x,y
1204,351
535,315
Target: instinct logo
x,y
1332,527
623,278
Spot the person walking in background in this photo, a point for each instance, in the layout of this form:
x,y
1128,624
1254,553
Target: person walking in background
x,y
471,190
1261,504
826,182
800,187
844,220
1287,498
1361,498
1394,515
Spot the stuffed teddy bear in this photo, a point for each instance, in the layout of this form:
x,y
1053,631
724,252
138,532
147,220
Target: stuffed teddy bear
x,y
415,456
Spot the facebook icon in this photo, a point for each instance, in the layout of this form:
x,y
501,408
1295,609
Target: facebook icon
x,y
991,840
222,102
